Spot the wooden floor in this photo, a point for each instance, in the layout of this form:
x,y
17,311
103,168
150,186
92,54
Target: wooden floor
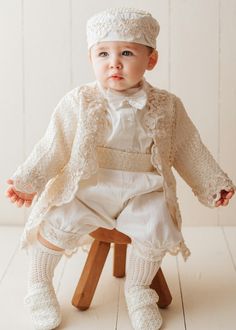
x,y
203,288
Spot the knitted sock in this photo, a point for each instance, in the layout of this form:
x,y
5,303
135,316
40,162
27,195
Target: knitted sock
x,y
41,298
141,300
43,261
140,271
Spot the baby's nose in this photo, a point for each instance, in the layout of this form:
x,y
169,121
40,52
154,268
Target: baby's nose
x,y
115,64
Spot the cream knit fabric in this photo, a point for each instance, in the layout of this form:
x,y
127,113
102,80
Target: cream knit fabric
x,y
43,261
141,270
124,161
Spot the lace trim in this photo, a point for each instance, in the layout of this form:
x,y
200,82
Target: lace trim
x,y
157,254
159,121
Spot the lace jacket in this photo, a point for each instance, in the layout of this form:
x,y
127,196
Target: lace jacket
x,y
67,152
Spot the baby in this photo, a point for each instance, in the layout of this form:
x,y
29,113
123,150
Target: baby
x,y
106,161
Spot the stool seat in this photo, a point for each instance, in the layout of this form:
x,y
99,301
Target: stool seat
x,y
110,236
103,238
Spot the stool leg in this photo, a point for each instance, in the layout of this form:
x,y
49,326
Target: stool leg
x,y
86,287
160,286
119,260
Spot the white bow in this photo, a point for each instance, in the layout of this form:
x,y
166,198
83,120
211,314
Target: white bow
x,y
136,100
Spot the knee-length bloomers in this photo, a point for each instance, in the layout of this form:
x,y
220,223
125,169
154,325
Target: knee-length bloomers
x,y
131,202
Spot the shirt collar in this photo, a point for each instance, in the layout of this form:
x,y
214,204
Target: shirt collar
x,y
135,97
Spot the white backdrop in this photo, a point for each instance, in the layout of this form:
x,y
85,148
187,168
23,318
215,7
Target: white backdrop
x,y
43,55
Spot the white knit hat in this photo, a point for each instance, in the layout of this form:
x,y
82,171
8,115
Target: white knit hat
x,y
123,24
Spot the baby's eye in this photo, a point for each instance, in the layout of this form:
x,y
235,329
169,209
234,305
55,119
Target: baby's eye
x,y
127,53
103,54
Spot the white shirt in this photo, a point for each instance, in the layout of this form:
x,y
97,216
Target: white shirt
x,y
127,131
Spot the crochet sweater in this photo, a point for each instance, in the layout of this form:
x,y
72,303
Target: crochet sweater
x,y
67,152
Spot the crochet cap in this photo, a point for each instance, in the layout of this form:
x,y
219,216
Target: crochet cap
x,y
123,24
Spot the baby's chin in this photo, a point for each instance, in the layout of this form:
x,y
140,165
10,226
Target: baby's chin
x,y
119,85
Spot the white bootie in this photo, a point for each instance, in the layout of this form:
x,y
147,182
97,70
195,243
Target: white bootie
x,y
142,308
44,307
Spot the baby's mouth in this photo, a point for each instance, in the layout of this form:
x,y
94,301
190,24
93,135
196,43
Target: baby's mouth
x,y
116,77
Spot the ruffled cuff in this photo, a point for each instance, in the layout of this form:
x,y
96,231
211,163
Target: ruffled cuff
x,y
212,193
28,182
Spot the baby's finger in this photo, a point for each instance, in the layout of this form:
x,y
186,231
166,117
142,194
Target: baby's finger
x,y
10,181
14,198
225,202
20,202
229,194
218,203
9,192
28,203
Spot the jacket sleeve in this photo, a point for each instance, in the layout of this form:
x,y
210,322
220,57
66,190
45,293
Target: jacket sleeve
x,y
194,162
52,152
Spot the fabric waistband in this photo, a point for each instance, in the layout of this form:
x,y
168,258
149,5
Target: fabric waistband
x,y
124,161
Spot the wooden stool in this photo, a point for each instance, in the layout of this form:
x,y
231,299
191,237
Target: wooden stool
x,y
86,287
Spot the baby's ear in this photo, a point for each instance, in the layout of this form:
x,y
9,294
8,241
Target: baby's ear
x,y
153,59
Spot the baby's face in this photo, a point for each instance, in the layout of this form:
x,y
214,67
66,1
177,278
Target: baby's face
x,y
121,65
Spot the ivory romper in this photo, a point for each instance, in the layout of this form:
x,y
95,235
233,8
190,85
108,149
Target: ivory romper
x,y
126,193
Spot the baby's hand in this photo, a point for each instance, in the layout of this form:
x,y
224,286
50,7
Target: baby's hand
x,y
225,197
20,198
